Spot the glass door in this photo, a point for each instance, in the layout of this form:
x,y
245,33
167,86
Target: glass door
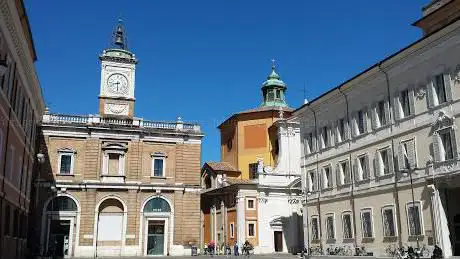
x,y
155,237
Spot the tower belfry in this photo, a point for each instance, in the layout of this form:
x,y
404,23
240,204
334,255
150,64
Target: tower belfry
x,y
116,96
119,36
273,89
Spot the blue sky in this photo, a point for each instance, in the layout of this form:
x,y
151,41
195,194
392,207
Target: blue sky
x,y
206,59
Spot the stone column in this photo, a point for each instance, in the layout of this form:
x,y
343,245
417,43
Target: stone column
x,y
240,220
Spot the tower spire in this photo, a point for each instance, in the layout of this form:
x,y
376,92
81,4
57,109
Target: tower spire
x,y
119,36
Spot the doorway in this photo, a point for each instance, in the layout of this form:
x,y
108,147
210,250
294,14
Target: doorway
x,y
278,238
59,238
155,237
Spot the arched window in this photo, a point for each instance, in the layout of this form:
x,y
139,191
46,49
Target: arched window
x,y
62,203
157,205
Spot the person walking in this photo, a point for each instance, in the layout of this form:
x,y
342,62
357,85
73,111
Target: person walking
x,y
236,252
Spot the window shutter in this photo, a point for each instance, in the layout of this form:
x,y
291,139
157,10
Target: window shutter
x,y
356,170
337,134
365,118
436,147
368,167
430,92
411,101
121,165
376,164
454,143
379,169
448,85
401,156
387,112
391,166
322,178
397,108
411,155
330,137
355,125
338,175
347,173
313,142
374,121
347,130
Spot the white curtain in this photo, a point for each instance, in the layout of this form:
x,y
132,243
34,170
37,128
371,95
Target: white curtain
x,y
440,224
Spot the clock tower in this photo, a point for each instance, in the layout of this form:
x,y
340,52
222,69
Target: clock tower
x,y
118,65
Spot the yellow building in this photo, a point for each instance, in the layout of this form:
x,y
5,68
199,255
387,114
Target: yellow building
x,y
248,136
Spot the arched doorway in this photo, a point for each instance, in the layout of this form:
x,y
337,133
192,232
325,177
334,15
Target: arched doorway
x,y
157,221
111,221
59,223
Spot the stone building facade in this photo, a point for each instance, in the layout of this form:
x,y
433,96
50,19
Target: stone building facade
x,y
379,152
21,108
114,184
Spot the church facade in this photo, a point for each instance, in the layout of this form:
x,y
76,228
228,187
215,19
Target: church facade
x,y
254,193
113,184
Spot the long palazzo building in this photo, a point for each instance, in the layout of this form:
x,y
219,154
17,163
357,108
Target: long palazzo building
x,y
380,152
113,184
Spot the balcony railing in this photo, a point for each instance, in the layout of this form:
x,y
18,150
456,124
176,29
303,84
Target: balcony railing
x,y
134,122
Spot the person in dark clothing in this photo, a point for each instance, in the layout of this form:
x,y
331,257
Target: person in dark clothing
x,y
236,252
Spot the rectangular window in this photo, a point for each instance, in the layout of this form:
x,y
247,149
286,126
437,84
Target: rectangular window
x,y
66,164
312,184
446,145
327,177
360,121
344,176
114,160
341,130
383,162
158,167
7,220
324,137
407,155
346,222
251,229
10,163
253,170
363,167
389,227
405,104
232,230
314,228
366,223
381,117
330,231
309,143
414,218
440,89
251,204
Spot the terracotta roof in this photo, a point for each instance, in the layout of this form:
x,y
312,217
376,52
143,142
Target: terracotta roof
x,y
222,166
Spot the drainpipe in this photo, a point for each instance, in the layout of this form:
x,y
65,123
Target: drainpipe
x,y
352,173
318,182
395,189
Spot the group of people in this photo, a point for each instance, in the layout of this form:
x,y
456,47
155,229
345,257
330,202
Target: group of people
x,y
245,250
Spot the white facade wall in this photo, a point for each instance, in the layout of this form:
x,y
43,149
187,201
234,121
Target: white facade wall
x,y
412,69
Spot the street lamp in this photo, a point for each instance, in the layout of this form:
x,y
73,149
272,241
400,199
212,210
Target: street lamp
x,y
405,173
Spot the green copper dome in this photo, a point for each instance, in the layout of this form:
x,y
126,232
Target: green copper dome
x,y
273,90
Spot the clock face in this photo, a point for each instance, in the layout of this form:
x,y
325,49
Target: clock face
x,y
117,84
